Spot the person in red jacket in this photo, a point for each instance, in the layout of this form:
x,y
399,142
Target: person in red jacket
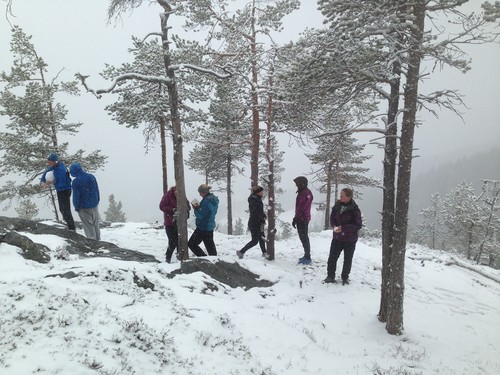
x,y
168,205
302,217
346,222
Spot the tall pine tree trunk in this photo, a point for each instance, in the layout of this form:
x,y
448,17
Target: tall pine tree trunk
x,y
229,195
328,200
397,264
163,137
254,160
271,212
389,188
390,159
177,142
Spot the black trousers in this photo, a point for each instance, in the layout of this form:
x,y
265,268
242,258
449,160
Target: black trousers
x,y
257,238
199,236
302,230
63,197
335,249
173,240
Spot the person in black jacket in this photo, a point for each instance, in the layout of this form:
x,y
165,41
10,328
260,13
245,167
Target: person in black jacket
x,y
256,222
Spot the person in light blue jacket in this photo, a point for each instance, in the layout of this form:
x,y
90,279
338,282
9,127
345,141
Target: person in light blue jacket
x,y
205,213
86,200
62,183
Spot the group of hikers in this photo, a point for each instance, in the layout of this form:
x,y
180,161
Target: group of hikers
x,y
345,220
345,217
84,189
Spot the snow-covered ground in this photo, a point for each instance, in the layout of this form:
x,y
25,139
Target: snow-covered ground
x,y
102,323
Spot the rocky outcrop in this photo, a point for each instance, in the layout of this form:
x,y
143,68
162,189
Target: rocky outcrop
x,y
231,274
11,232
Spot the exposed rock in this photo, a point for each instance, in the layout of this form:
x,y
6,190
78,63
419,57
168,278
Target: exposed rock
x,y
67,275
144,282
231,274
77,244
31,250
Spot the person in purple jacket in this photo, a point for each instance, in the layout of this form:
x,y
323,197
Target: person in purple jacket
x,y
302,217
168,205
346,222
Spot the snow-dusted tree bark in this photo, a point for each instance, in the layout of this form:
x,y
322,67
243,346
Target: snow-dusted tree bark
x,y
397,263
37,122
173,100
270,178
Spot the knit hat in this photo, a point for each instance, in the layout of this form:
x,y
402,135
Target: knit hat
x,y
257,189
53,157
203,188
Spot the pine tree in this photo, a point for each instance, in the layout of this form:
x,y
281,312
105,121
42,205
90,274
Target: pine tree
x,y
246,34
286,231
432,228
221,148
37,121
173,71
462,216
27,209
488,241
373,45
239,227
146,103
114,213
340,160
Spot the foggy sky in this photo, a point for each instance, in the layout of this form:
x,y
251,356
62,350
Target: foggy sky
x,y
75,36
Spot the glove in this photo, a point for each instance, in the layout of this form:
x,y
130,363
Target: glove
x,y
294,223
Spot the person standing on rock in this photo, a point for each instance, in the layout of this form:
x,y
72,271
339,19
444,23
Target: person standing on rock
x,y
168,205
204,212
86,199
62,183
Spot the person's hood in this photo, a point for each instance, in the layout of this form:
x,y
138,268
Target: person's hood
x,y
75,169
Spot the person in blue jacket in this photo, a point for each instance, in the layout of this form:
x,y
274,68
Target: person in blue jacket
x,y
205,213
86,200
62,184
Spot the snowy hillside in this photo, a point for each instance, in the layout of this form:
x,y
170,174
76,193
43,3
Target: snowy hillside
x,y
102,323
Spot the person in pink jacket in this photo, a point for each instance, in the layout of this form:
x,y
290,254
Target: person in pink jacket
x,y
302,217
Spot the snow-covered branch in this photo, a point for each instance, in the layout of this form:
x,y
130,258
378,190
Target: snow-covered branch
x,y
355,130
449,99
457,262
202,70
444,5
120,78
